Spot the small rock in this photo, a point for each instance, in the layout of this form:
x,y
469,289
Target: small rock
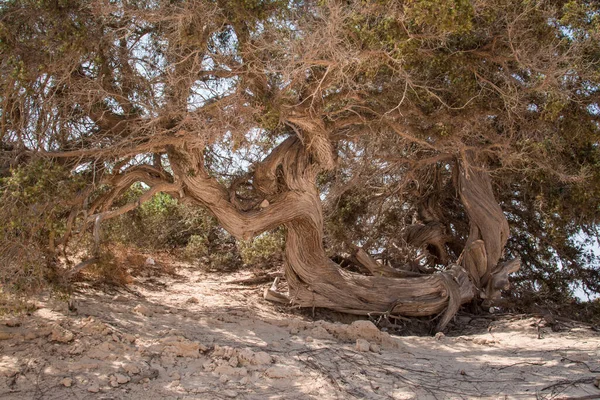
x,y
224,378
150,261
122,378
375,348
320,332
143,310
362,345
128,337
262,358
192,300
365,330
597,383
309,339
120,298
30,336
114,383
481,341
230,393
94,388
5,335
233,361
131,369
67,382
439,335
13,323
62,335
244,380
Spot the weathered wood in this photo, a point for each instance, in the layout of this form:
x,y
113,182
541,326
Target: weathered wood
x,y
313,279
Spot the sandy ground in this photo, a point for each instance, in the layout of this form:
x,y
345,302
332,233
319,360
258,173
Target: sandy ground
x,y
195,335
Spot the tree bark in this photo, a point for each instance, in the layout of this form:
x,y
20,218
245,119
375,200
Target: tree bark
x,y
286,179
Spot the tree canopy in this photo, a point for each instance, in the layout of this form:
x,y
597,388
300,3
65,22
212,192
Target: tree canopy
x,y
429,144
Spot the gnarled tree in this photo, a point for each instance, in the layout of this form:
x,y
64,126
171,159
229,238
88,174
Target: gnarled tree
x,y
390,117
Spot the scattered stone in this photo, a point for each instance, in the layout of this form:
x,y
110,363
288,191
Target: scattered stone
x,y
13,323
224,378
143,310
365,330
233,361
93,327
145,376
230,393
178,346
30,336
94,388
60,334
176,376
67,382
244,356
128,337
261,358
78,348
375,348
150,261
122,378
309,339
120,298
439,336
104,351
362,345
131,369
320,332
192,300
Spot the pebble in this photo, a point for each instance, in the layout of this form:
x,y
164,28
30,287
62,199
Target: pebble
x,y
62,335
120,298
362,345
94,388
143,310
67,382
122,378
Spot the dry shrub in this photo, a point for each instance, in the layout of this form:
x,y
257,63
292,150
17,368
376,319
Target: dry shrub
x,y
108,270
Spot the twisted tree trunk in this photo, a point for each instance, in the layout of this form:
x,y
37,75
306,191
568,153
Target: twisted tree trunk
x,y
286,180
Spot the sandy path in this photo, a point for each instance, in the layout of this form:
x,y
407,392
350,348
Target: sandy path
x,y
194,336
